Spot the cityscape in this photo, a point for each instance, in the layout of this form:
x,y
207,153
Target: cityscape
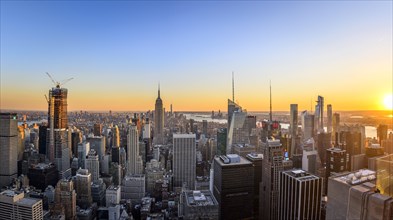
x,y
196,110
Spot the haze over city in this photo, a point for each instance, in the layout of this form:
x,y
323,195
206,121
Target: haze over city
x,y
118,52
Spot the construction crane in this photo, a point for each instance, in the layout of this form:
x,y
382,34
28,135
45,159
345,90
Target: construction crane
x,y
58,84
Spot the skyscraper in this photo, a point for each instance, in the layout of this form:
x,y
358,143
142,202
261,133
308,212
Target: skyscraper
x,y
14,205
184,160
300,195
116,136
272,165
57,138
92,164
233,187
8,148
159,120
329,118
307,121
97,129
83,188
319,114
293,128
335,127
65,196
133,157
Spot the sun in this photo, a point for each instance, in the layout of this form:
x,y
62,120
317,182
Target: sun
x,y
388,102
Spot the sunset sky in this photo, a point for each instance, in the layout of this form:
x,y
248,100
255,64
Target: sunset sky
x,y
118,52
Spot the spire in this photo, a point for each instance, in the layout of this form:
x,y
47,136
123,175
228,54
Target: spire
x,y
233,87
270,114
158,89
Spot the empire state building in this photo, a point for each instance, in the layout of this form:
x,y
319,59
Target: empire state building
x,y
159,120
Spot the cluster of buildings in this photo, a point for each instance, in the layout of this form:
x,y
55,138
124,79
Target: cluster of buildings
x,y
161,165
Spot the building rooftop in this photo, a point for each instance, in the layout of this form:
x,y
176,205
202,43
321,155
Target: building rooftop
x,y
28,202
357,177
200,198
241,161
255,156
184,136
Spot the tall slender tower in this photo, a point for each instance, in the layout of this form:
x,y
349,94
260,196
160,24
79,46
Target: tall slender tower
x,y
133,158
8,148
294,126
57,138
184,160
159,120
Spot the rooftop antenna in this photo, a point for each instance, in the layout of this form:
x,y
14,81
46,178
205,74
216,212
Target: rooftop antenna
x,y
58,84
233,87
158,89
270,114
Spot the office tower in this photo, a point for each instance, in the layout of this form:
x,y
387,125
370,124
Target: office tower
x,y
8,148
83,150
98,144
272,164
83,188
14,205
319,115
336,161
351,141
256,160
133,187
192,126
97,129
112,195
153,172
146,129
232,107
385,175
42,175
233,186
92,165
221,141
382,133
300,195
98,188
238,130
352,195
204,127
76,138
134,160
159,120
184,160
293,128
387,144
307,121
309,157
198,205
323,142
42,130
329,118
243,149
65,197
115,169
116,136
335,127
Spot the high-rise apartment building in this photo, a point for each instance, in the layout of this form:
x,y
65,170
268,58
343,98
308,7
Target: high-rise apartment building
x,y
300,195
8,148
57,136
221,141
159,120
319,108
382,133
97,129
335,127
116,136
184,160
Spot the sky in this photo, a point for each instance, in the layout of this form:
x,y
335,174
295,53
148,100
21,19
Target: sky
x,y
119,51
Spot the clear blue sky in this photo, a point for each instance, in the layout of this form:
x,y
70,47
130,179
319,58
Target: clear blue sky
x,y
118,51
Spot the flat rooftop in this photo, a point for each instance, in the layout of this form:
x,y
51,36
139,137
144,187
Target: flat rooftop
x,y
200,198
243,161
184,136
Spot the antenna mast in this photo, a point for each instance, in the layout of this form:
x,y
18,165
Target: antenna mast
x,y
270,114
233,87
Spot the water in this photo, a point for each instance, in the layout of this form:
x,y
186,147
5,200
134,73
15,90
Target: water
x,y
200,118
